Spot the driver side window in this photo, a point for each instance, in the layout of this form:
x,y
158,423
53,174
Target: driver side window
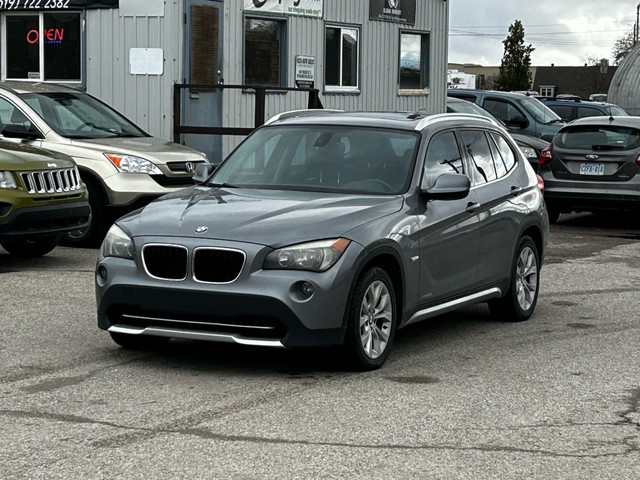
x,y
443,156
11,115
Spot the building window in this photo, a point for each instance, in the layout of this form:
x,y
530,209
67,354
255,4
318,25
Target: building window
x,y
414,61
42,46
264,52
548,91
341,66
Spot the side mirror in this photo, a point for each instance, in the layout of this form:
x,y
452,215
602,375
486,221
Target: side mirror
x,y
518,121
203,171
21,131
448,186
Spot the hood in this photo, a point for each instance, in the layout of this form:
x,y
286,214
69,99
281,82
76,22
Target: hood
x,y
152,148
267,217
17,156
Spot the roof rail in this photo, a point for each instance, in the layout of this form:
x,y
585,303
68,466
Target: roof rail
x,y
443,117
300,113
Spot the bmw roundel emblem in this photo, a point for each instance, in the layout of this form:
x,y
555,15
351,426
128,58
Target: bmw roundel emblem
x,y
201,229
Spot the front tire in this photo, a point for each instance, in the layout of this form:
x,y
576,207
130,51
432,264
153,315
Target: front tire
x,y
31,247
520,301
138,342
371,323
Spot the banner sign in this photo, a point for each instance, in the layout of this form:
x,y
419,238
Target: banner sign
x,y
305,71
39,5
399,11
304,8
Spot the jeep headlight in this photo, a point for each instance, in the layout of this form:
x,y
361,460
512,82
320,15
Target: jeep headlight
x,y
314,256
117,244
132,164
7,180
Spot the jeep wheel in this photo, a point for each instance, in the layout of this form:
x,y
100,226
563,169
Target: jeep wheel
x,y
92,235
31,247
371,321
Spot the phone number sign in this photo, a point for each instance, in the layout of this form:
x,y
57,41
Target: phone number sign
x,y
55,4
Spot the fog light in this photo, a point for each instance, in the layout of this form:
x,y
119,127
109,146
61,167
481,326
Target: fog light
x,y
102,272
306,289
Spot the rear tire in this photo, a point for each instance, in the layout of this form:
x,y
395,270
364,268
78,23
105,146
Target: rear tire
x,y
520,301
93,234
138,342
371,323
31,247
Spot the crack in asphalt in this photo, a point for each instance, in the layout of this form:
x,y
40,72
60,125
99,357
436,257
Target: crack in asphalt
x,y
207,434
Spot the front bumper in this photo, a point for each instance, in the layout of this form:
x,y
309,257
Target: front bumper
x,y
45,220
261,307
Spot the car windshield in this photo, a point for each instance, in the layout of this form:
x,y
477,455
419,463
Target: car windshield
x,y
599,138
322,158
77,115
539,110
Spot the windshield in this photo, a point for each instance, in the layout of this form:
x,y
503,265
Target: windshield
x,y
76,115
322,158
595,137
539,110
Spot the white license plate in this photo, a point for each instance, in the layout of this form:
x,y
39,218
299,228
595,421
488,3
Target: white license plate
x,y
592,169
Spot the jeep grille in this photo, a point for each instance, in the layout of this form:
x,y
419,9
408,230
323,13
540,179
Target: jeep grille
x,y
51,181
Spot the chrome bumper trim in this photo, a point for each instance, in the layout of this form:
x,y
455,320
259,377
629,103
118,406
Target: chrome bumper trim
x,y
194,322
194,335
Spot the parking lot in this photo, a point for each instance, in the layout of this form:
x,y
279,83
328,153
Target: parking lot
x,y
461,396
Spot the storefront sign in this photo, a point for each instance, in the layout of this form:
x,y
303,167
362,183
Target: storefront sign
x,y
38,5
50,35
400,11
306,8
305,71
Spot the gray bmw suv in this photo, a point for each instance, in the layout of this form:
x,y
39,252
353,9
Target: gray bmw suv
x,y
331,228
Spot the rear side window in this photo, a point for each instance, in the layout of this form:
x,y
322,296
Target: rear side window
x,y
599,138
506,158
563,111
477,147
589,112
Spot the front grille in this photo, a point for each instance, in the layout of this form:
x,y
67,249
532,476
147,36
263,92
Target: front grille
x,y
51,181
217,265
183,167
167,262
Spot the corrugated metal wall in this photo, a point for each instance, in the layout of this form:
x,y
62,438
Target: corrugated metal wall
x,y
145,99
148,99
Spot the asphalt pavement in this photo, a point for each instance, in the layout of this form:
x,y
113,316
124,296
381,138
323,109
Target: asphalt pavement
x,y
461,397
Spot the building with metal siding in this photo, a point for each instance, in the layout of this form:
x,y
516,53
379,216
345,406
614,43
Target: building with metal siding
x,y
109,35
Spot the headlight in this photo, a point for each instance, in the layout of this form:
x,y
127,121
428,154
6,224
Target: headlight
x,y
529,152
132,164
7,180
315,256
117,244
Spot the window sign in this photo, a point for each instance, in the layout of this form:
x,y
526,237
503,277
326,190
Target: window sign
x,y
400,11
305,71
38,5
306,8
43,46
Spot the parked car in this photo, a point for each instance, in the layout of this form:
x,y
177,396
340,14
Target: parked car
x,y
572,109
328,228
123,167
41,197
521,113
530,146
593,164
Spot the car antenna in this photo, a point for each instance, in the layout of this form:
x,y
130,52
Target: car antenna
x,y
611,119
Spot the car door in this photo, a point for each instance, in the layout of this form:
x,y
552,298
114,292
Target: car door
x,y
448,236
492,164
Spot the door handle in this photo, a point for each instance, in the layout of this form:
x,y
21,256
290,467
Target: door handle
x,y
472,207
515,191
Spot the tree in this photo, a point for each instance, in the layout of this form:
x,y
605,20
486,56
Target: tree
x,y
514,69
622,47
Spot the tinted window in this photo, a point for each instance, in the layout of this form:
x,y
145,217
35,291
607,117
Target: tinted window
x,y
477,147
506,157
505,111
263,51
599,138
443,156
589,112
563,111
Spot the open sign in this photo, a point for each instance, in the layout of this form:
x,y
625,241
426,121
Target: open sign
x,y
50,35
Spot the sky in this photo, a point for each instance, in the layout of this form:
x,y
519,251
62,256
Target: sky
x,y
563,32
